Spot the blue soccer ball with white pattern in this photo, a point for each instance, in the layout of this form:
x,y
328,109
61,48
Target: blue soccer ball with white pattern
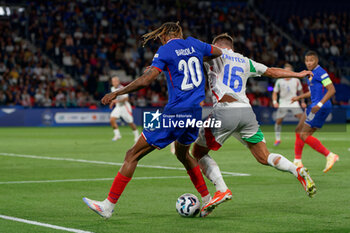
x,y
188,205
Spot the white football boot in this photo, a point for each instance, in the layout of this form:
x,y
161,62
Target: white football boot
x,y
99,207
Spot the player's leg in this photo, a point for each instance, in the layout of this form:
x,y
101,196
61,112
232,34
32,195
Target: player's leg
x,y
134,131
183,155
278,129
212,171
212,139
299,143
256,144
193,170
126,114
115,114
209,167
117,135
281,113
314,143
278,161
105,208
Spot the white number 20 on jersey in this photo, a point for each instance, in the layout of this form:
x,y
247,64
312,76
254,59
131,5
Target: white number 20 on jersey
x,y
191,68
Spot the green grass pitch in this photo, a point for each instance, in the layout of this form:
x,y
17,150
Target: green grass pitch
x,y
266,201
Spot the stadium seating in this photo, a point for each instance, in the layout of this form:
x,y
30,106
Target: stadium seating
x,y
89,40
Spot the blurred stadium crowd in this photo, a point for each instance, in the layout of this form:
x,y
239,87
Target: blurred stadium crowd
x,y
72,48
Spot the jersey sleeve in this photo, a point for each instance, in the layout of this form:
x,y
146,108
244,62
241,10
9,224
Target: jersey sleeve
x,y
205,48
325,79
256,69
276,88
158,61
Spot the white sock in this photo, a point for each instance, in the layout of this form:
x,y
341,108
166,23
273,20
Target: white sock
x,y
116,133
283,164
297,160
108,205
136,133
278,129
212,171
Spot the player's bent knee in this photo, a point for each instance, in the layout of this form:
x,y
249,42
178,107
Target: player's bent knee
x,y
304,136
130,156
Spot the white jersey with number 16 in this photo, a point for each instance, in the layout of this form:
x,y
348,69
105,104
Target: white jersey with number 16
x,y
228,75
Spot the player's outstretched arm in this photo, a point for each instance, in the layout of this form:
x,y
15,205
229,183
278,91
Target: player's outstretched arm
x,y
143,81
282,73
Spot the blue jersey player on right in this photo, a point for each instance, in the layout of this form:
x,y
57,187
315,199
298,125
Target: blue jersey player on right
x,y
321,90
182,62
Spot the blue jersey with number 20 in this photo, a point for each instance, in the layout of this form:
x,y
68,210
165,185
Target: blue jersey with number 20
x,y
182,62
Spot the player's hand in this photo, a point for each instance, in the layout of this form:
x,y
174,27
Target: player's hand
x,y
275,105
294,99
315,109
108,98
303,105
304,73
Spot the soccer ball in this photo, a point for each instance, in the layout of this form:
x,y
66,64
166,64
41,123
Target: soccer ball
x,y
187,205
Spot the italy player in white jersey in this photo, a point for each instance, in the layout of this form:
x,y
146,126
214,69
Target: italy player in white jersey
x,y
287,88
122,110
227,77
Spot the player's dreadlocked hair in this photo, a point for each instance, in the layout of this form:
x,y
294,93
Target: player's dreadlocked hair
x,y
225,37
169,28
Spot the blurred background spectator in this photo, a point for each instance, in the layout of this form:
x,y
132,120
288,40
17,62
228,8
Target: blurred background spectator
x,y
61,54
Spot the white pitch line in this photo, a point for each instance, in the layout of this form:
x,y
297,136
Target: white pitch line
x,y
43,224
96,179
107,163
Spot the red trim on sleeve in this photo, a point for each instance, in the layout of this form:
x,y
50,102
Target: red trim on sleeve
x,y
216,96
171,79
212,48
160,71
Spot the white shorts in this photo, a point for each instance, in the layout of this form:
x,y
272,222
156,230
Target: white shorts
x,y
237,120
282,111
124,111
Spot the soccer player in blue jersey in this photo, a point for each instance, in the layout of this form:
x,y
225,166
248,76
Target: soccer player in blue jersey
x,y
181,60
321,91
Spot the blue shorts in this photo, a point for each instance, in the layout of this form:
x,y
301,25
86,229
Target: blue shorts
x,y
167,133
317,120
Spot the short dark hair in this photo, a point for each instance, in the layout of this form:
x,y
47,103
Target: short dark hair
x,y
311,53
224,36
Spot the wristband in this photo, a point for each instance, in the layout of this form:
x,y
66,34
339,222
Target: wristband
x,y
320,104
274,102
